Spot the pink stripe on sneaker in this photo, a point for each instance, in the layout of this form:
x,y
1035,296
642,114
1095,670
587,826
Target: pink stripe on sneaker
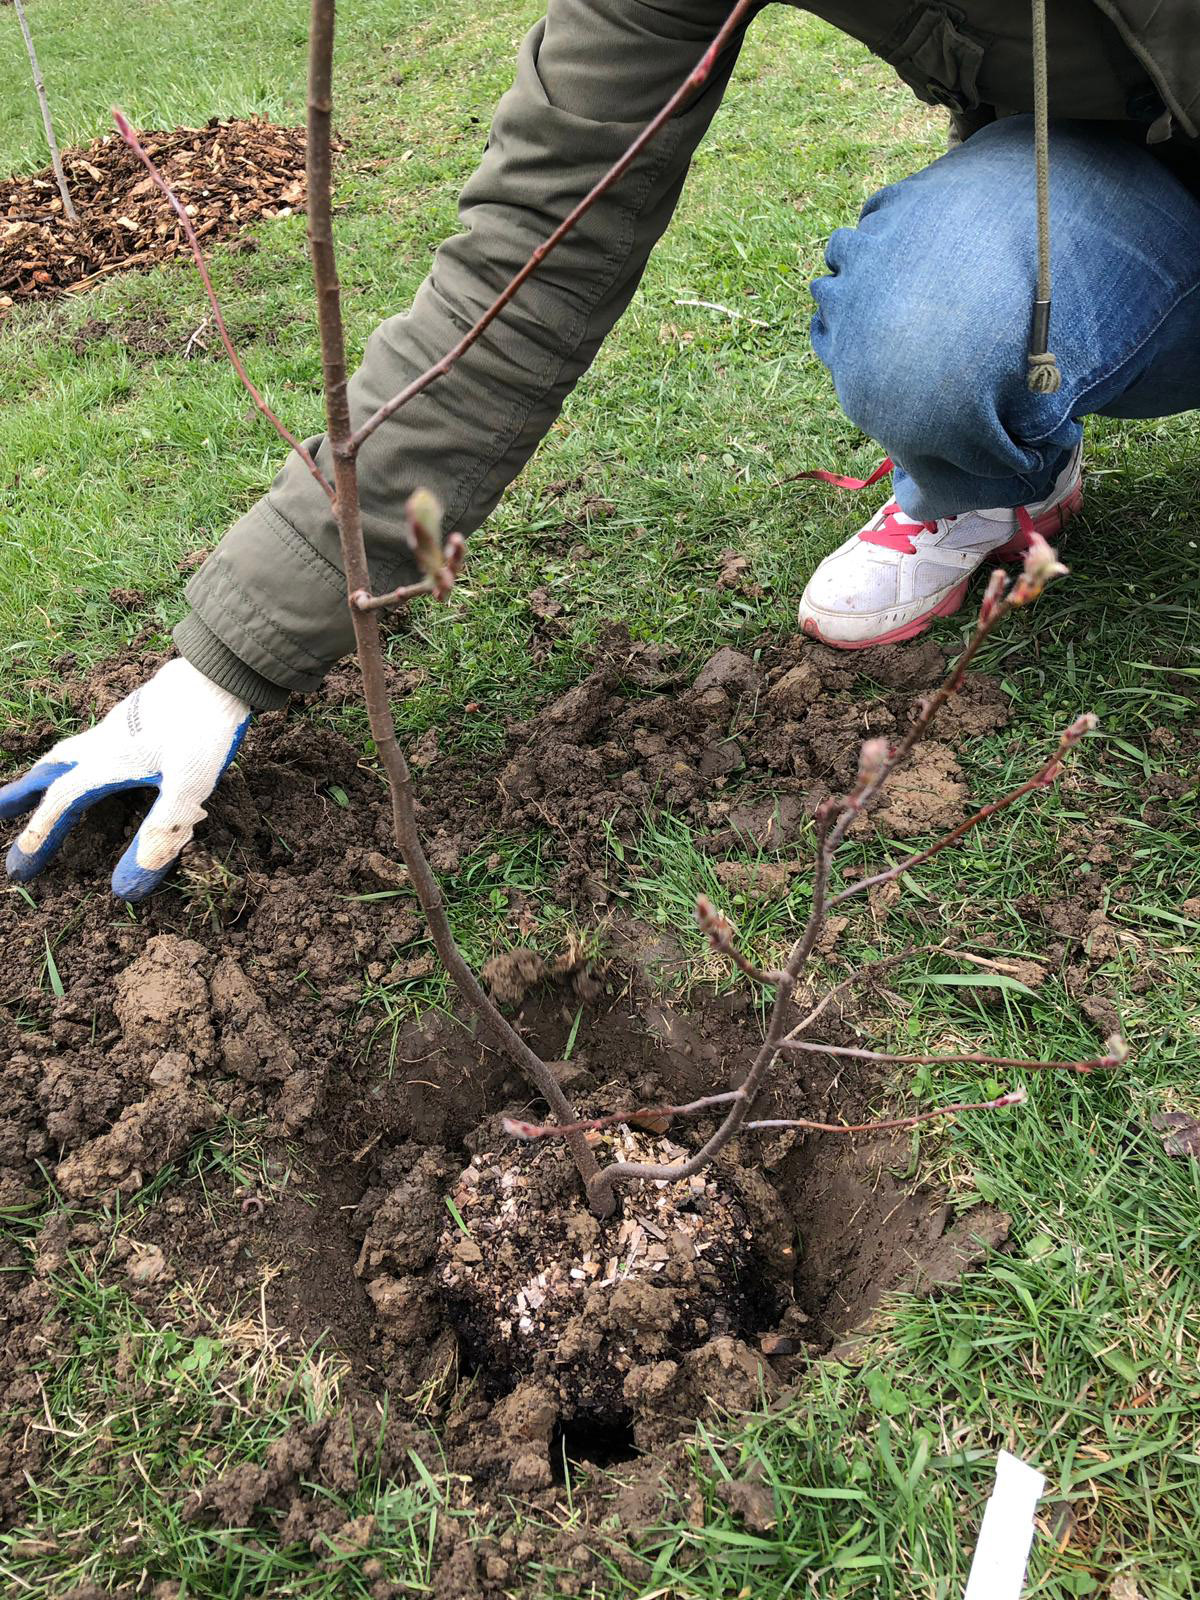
x,y
946,607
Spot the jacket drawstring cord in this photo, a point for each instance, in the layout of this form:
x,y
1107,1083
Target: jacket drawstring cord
x,y
1043,376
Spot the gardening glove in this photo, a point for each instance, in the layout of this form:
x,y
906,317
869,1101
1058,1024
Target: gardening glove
x,y
176,734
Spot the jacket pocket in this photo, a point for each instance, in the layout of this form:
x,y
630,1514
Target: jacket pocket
x,y
937,57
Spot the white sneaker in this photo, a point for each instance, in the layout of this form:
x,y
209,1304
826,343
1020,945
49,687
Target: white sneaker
x,y
890,579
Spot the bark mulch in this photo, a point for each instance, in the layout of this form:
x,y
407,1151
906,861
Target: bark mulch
x,y
229,174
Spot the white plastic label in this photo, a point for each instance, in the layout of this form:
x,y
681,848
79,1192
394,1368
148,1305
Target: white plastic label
x,y
1002,1554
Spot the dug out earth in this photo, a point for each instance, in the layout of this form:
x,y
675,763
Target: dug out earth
x,y
459,1277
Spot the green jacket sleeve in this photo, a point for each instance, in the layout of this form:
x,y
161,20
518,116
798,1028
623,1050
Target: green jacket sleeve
x,y
268,606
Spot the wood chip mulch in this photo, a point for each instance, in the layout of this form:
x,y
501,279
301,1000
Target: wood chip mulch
x,y
229,173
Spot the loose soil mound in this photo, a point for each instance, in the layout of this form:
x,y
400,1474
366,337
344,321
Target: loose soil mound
x,y
237,994
230,173
537,1287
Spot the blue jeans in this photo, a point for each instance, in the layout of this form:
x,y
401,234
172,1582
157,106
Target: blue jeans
x,y
924,319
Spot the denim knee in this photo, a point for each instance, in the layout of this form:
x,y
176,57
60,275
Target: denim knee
x,y
916,364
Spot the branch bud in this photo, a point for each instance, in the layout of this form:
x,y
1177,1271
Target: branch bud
x,y
454,553
1041,567
872,761
993,595
825,811
1116,1050
714,925
1087,723
521,1130
423,513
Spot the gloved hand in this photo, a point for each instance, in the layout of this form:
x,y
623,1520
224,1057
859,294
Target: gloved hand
x,y
177,734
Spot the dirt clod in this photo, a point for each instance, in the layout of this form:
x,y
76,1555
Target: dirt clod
x,y
510,976
162,1001
145,1137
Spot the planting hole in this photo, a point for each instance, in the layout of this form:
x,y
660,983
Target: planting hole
x,y
590,1444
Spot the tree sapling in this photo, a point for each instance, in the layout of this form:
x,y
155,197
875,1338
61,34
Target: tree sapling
x,y
47,121
439,560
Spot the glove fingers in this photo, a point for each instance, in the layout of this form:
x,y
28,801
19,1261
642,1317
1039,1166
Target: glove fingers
x,y
64,802
169,826
239,733
155,847
18,797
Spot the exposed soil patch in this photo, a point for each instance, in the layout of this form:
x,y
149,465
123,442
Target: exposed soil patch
x,y
229,174
237,996
538,1288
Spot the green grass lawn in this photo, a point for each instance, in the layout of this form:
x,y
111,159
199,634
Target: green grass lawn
x,y
1079,1350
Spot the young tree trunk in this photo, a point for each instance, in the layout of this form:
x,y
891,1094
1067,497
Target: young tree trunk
x,y
55,159
344,449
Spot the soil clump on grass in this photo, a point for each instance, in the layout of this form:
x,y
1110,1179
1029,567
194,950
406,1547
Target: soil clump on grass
x,y
239,998
229,174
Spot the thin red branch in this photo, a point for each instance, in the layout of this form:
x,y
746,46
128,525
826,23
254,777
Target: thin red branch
x,y
696,79
877,762
126,130
558,1130
362,601
1117,1053
1014,1097
1040,780
550,1130
867,973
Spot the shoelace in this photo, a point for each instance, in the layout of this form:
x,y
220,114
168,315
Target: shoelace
x,y
891,533
894,534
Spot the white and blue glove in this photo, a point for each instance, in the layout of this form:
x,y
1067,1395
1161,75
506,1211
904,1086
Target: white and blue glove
x,y
176,734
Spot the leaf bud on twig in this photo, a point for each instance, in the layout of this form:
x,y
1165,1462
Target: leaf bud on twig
x,y
1087,723
872,761
993,596
423,514
714,925
825,811
1041,566
454,553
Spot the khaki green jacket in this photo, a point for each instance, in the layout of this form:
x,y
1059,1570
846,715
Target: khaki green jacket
x,y
268,607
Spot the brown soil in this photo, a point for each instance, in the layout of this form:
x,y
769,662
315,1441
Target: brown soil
x,y
230,173
236,995
537,1287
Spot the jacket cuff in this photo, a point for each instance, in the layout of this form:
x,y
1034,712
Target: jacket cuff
x,y
197,643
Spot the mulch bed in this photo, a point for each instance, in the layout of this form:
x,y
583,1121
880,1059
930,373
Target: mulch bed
x,y
230,173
